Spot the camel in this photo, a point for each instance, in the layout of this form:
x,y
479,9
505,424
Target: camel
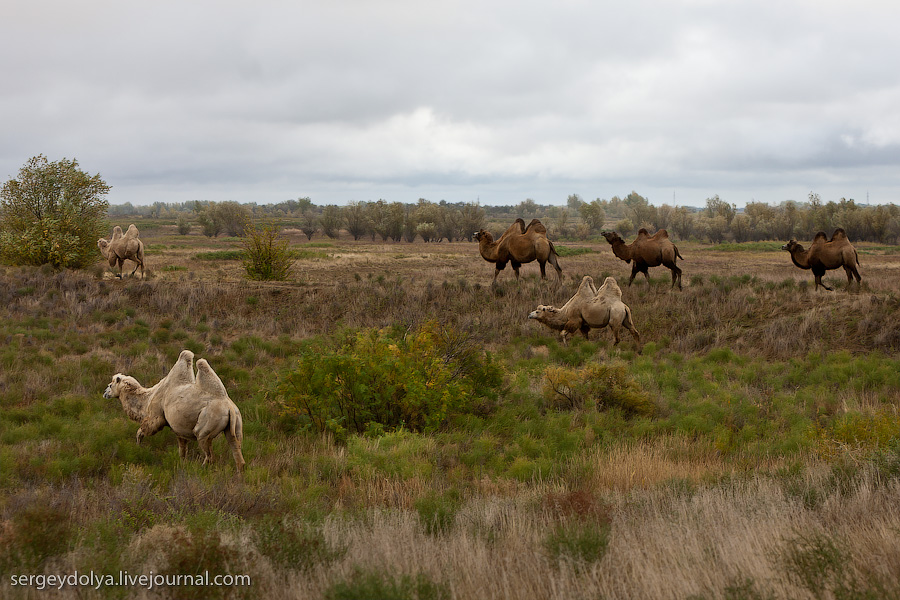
x,y
647,251
826,255
519,245
194,407
121,247
590,308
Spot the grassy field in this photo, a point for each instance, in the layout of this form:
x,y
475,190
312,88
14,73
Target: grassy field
x,y
748,450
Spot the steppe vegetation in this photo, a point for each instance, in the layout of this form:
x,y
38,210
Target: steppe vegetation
x,y
750,451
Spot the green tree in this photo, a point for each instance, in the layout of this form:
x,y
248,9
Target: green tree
x,y
52,213
331,220
593,215
268,255
356,218
309,223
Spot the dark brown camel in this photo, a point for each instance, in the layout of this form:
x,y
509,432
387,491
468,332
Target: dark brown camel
x,y
517,246
824,255
647,251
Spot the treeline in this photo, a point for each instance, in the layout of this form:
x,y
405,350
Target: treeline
x,y
718,221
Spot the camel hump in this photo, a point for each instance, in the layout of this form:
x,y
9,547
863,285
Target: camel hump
x,y
642,232
820,237
132,232
208,381
117,233
662,234
536,226
183,371
587,285
839,234
521,223
610,289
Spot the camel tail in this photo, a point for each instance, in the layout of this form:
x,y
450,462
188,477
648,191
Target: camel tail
x,y
552,259
235,423
677,253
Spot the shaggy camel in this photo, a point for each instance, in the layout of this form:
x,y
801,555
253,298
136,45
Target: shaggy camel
x,y
826,255
122,247
194,407
589,308
517,246
647,251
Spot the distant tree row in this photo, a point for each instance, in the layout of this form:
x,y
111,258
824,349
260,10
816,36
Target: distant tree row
x,y
717,221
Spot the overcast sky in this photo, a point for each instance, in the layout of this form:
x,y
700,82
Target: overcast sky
x,y
487,100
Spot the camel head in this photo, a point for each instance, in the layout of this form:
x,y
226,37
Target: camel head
x,y
119,384
104,246
544,314
612,237
792,245
481,234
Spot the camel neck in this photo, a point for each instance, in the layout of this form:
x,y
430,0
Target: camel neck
x,y
800,258
621,250
135,403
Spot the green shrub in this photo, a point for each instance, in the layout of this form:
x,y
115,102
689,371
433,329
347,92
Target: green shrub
x,y
375,584
606,386
438,512
415,380
52,213
295,546
267,257
815,562
582,543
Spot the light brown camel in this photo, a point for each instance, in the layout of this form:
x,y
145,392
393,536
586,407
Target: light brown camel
x,y
647,251
824,255
517,246
194,407
590,308
121,247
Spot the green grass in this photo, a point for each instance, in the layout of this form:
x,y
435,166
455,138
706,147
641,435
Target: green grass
x,y
221,255
565,251
748,247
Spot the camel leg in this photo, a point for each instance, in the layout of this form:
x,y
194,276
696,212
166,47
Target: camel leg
x,y
676,275
515,266
121,263
647,275
819,282
543,265
634,272
182,446
615,332
206,445
150,426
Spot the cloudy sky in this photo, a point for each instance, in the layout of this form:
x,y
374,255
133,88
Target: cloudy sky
x,y
489,100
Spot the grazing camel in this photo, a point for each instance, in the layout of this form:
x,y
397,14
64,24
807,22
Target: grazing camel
x,y
519,245
194,407
122,247
826,255
647,251
590,308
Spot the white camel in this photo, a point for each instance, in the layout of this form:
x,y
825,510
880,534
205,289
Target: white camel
x,y
194,407
590,308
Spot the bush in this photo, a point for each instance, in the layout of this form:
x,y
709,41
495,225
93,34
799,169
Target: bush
x,y
184,226
268,257
359,380
609,386
52,213
582,543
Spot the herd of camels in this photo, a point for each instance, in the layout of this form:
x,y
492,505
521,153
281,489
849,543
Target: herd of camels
x,y
197,406
521,244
